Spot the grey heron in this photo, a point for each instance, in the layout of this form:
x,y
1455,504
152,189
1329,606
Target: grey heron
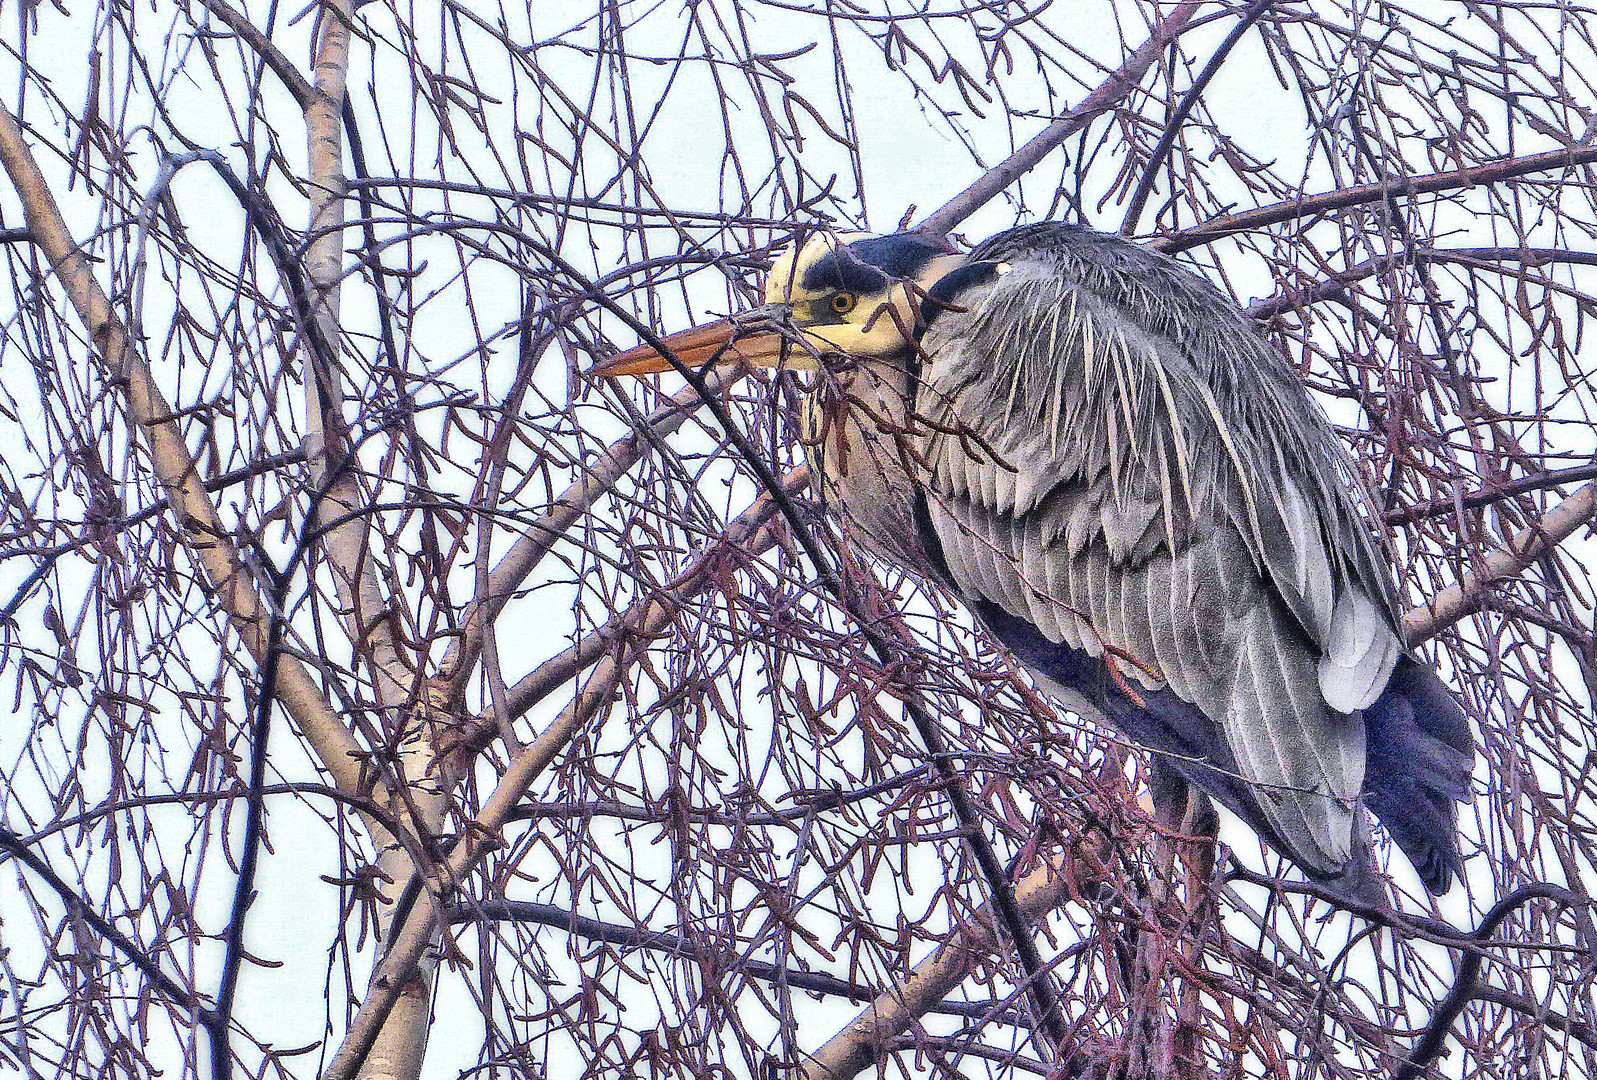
x,y
1099,454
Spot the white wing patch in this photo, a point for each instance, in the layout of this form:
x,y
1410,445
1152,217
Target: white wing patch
x,y
1138,511
1360,652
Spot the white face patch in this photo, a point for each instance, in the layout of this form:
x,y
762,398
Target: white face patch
x,y
782,283
875,316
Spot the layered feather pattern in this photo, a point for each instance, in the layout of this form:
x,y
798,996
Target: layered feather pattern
x,y
1128,483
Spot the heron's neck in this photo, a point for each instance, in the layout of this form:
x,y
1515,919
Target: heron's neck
x,y
858,440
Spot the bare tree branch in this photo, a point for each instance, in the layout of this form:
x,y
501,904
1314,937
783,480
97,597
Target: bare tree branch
x,y
1309,206
1523,549
1109,94
562,651
207,537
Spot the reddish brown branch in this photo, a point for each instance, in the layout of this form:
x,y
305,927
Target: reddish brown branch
x,y
1108,94
1361,194
1336,285
1444,505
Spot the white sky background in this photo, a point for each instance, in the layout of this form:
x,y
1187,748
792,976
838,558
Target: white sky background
x,y
908,157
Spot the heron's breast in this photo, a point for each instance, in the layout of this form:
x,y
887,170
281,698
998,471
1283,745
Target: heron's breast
x,y
859,445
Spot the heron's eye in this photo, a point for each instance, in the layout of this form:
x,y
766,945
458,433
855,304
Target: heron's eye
x,y
842,302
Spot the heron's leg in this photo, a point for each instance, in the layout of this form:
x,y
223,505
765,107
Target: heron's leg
x,y
1164,1029
1165,1041
1188,814
1190,826
1173,799
1151,1033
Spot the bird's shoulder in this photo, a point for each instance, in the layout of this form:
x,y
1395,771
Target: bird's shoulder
x,y
1103,396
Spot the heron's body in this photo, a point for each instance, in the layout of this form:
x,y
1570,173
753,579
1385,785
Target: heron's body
x,y
1132,490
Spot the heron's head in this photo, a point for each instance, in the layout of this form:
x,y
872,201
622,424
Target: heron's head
x,y
852,293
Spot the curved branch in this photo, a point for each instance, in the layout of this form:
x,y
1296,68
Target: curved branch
x,y
1463,990
1527,545
747,533
1172,127
1108,94
1361,194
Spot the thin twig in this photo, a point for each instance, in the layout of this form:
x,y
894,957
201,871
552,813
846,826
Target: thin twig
x,y
472,912
294,82
1109,93
1172,126
1305,206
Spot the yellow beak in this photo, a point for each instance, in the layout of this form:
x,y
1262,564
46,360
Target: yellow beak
x,y
718,342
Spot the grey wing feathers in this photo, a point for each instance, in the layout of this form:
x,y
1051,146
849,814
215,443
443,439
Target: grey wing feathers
x,y
1145,504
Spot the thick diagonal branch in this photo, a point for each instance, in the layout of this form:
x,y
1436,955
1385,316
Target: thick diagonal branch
x,y
867,1037
408,941
1529,544
564,512
1108,94
206,538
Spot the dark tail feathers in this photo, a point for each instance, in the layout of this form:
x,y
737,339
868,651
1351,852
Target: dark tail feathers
x,y
1419,754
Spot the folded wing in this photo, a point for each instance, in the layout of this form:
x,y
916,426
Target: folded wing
x,y
1113,503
